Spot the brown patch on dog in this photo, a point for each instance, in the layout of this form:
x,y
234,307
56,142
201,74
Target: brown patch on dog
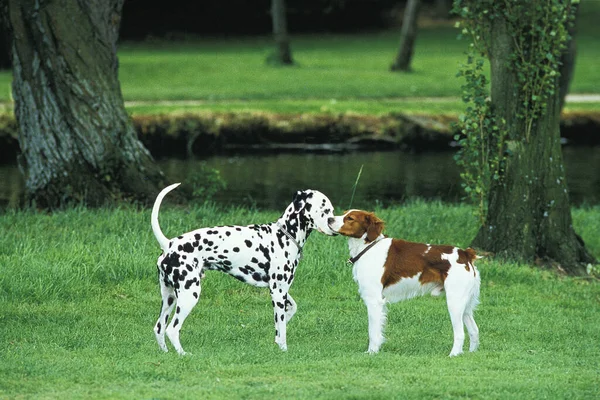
x,y
407,259
357,223
467,257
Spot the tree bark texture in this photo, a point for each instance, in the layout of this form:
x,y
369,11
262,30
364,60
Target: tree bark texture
x,y
529,215
568,58
76,137
408,36
283,53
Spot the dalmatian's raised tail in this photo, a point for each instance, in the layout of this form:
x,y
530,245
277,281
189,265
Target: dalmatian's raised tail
x,y
163,241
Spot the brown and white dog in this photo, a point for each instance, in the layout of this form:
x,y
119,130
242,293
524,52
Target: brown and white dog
x,y
391,270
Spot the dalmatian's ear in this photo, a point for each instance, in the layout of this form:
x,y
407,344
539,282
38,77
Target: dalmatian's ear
x,y
299,200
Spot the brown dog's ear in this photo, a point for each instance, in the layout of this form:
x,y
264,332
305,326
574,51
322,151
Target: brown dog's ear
x,y
374,227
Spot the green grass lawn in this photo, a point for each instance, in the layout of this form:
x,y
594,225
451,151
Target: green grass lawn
x,y
334,73
79,299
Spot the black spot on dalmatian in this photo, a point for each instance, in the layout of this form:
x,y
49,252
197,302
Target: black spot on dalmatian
x,y
254,260
188,284
227,233
236,249
280,240
188,248
248,243
170,262
265,252
176,322
195,294
159,327
257,276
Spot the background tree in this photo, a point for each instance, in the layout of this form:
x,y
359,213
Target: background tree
x,y
528,214
442,8
408,36
76,137
283,53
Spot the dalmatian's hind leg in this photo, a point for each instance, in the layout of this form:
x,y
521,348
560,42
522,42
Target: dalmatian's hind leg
x,y
168,303
187,298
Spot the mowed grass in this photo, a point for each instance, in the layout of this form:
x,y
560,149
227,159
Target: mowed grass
x,y
79,299
333,73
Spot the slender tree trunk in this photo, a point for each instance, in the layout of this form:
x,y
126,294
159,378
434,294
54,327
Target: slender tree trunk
x,y
442,8
283,54
4,53
529,215
408,36
75,135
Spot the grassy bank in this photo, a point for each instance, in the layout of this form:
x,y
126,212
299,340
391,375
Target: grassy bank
x,y
79,298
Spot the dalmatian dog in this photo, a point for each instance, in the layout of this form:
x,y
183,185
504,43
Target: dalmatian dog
x,y
260,255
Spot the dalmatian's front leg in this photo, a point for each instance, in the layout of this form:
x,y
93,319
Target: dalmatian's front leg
x,y
290,308
279,296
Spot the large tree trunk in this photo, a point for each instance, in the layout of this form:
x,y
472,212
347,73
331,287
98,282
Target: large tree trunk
x,y
283,54
529,215
567,67
408,36
75,135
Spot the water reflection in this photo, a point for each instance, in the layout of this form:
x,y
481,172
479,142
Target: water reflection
x,y
388,177
269,181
